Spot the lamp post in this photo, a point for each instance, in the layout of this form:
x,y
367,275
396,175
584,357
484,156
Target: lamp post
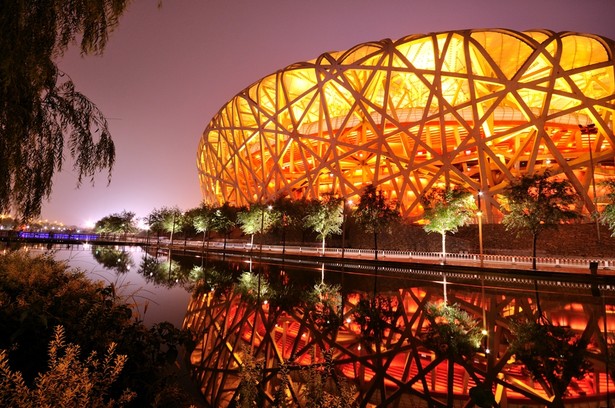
x,y
590,129
344,215
479,215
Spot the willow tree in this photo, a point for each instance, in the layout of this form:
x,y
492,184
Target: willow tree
x,y
42,115
446,210
537,202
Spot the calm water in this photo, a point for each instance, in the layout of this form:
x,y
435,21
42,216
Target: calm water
x,y
159,289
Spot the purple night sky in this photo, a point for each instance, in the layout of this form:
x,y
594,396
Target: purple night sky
x,y
166,72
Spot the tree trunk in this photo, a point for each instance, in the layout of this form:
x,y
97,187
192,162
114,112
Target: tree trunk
x,y
323,246
444,248
534,239
376,246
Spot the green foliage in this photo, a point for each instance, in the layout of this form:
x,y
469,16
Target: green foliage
x,y
447,209
117,223
551,354
225,219
324,306
325,217
68,381
258,219
452,332
208,279
202,217
608,214
166,219
112,259
37,294
536,202
42,115
252,287
374,213
166,273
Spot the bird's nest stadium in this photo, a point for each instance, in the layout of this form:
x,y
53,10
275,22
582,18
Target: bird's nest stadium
x,y
473,108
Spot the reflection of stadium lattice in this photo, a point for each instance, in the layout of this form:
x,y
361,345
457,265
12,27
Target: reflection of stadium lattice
x,y
474,108
403,371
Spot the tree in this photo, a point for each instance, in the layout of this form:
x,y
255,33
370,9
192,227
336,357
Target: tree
x,y
112,258
325,217
258,219
608,214
117,223
447,210
553,355
537,202
291,214
41,112
224,221
166,219
375,214
202,219
453,335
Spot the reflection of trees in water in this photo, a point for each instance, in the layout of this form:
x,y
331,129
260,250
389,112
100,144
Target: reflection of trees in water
x,y
113,258
164,272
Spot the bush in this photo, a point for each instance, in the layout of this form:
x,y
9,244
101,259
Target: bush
x,y
68,382
38,293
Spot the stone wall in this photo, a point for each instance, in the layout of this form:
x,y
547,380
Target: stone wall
x,y
574,240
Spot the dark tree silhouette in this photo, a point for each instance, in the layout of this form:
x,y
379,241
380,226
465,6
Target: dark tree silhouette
x,y
42,115
537,202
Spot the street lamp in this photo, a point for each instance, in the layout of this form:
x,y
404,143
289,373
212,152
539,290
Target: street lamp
x,y
590,129
479,215
344,215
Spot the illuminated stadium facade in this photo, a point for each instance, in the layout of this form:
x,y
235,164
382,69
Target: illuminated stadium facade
x,y
473,108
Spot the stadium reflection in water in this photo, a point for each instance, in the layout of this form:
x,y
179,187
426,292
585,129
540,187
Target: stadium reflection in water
x,y
378,348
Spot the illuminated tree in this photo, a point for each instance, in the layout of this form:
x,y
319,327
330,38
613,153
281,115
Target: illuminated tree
x,y
202,218
325,217
173,221
258,219
117,223
447,210
537,202
453,335
42,115
113,259
608,214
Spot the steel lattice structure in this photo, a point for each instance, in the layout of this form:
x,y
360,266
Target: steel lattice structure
x,y
474,108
